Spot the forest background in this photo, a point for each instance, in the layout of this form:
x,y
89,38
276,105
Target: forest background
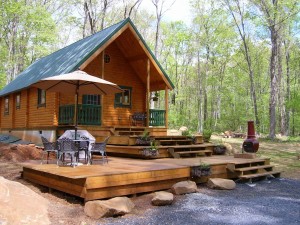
x,y
236,60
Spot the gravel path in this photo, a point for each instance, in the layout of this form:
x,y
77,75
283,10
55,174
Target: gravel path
x,y
266,202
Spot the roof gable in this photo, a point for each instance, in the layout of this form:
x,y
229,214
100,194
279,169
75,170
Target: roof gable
x,y
67,59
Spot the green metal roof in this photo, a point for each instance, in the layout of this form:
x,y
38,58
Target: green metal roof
x,y
68,59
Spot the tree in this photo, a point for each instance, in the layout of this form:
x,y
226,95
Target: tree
x,y
238,13
274,13
27,33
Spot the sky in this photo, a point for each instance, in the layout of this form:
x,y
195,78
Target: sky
x,y
180,10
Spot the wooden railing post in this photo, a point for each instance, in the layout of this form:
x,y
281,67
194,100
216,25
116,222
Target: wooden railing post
x,y
148,93
166,106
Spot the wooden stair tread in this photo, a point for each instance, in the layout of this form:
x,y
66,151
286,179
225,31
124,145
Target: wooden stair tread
x,y
191,146
249,161
249,176
253,168
199,151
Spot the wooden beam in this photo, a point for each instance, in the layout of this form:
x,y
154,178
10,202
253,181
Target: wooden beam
x,y
151,58
148,92
102,76
166,106
104,46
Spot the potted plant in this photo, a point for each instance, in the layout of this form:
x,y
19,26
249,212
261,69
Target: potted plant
x,y
145,139
202,170
207,135
155,97
189,135
219,149
151,151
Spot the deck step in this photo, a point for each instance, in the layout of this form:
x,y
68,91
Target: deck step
x,y
175,142
253,168
257,175
177,154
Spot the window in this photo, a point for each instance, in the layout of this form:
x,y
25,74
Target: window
x,y
6,105
91,99
41,98
18,101
123,99
106,58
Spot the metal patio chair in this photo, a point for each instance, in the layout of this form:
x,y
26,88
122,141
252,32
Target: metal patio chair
x,y
48,148
67,146
99,147
83,145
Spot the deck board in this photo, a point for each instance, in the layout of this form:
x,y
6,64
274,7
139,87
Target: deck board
x,y
123,176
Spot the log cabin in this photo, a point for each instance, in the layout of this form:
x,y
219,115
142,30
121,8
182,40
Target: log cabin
x,y
118,54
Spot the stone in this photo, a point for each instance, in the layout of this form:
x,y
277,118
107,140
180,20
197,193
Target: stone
x,y
117,206
21,205
162,198
183,128
219,183
14,147
184,187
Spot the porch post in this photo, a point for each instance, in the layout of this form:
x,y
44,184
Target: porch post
x,y
166,106
102,97
148,93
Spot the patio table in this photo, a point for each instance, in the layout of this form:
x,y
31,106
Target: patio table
x,y
82,135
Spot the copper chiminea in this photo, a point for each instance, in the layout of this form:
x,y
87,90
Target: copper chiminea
x,y
251,144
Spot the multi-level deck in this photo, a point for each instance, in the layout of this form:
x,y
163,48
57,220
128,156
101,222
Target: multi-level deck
x,y
178,156
130,176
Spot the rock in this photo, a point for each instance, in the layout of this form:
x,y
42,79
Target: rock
x,y
229,149
183,128
162,198
107,208
219,183
14,147
184,187
21,205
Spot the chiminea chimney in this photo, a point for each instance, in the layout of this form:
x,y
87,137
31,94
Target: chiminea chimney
x,y
251,144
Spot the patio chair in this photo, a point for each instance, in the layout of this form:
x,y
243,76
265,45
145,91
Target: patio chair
x,y
83,145
48,148
67,146
99,147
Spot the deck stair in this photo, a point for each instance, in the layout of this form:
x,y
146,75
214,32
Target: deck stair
x,y
254,169
179,151
129,131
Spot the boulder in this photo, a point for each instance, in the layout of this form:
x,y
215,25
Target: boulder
x,y
21,205
162,198
219,183
184,187
108,208
183,128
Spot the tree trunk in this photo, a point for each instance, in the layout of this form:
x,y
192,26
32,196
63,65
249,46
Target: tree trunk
x,y
273,83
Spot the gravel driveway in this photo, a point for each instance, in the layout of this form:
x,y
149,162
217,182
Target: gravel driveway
x,y
276,201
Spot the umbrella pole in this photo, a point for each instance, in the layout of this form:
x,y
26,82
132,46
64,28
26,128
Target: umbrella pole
x,y
76,110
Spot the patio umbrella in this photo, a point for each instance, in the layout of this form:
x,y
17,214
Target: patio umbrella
x,y
77,83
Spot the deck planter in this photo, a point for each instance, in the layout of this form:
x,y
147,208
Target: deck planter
x,y
200,171
149,152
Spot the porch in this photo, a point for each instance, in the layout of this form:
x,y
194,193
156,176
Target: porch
x,y
92,115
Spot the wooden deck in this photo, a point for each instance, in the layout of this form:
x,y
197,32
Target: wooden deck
x,y
124,176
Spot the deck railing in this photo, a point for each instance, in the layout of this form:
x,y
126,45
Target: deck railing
x,y
87,114
157,117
